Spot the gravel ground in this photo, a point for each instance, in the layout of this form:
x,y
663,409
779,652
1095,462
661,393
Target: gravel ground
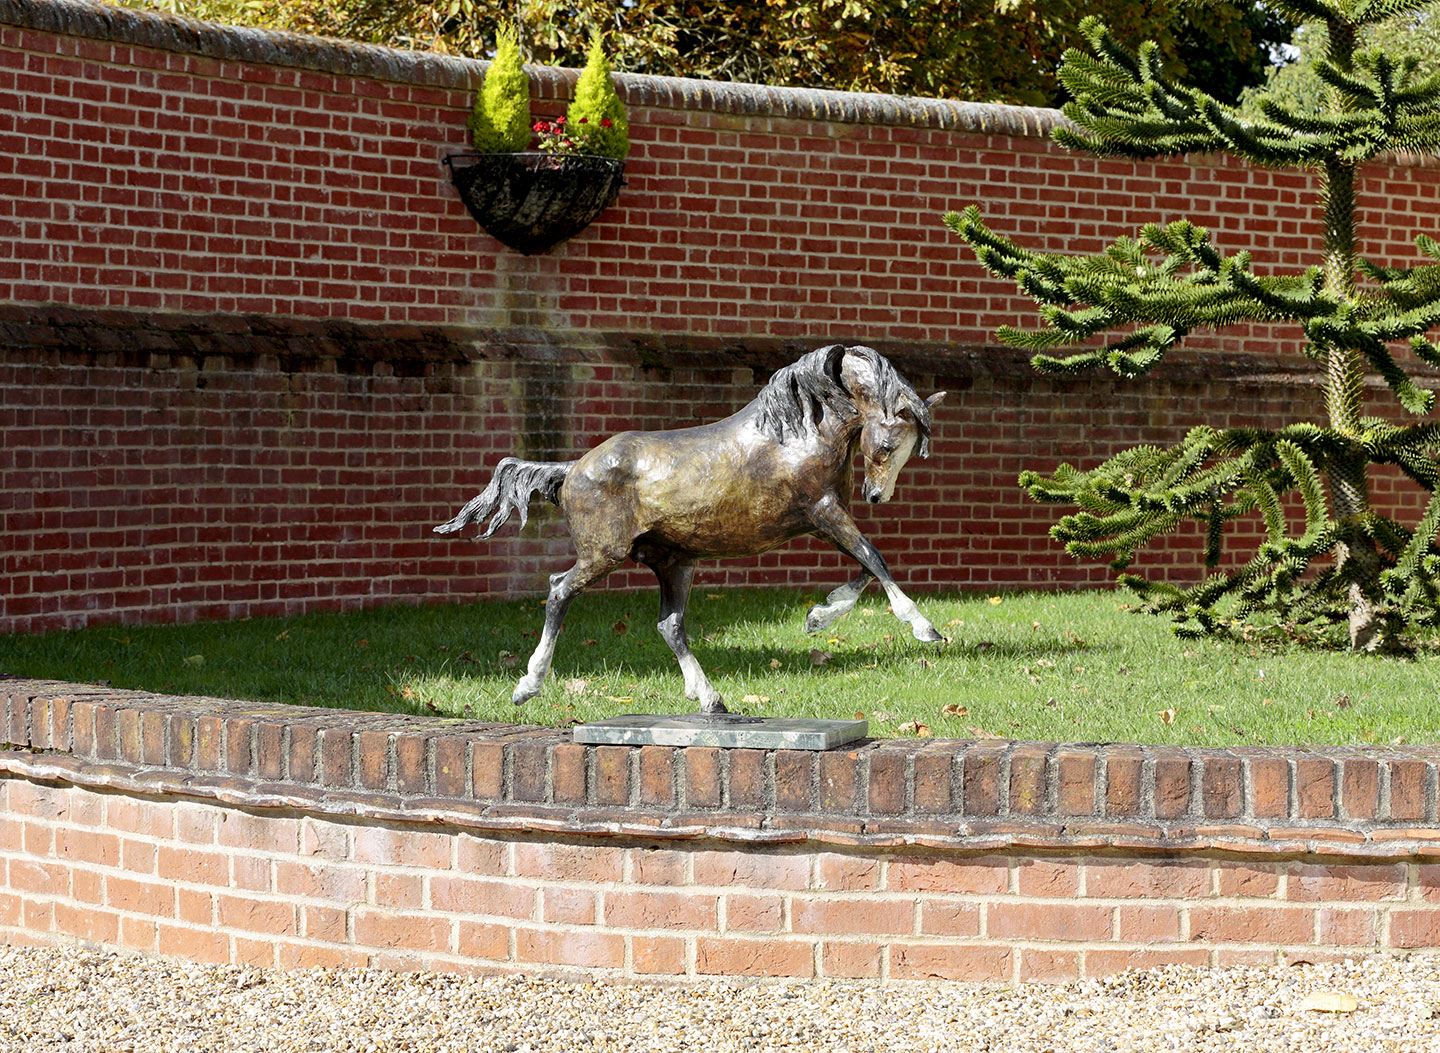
x,y
71,1000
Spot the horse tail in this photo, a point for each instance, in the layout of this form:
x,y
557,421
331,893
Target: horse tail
x,y
515,482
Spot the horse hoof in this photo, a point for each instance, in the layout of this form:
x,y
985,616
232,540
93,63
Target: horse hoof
x,y
714,707
927,634
524,693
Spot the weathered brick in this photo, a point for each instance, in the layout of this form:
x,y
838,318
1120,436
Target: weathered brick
x,y
1075,772
657,776
1315,787
702,777
886,781
839,780
933,781
1170,779
1027,778
793,770
1220,788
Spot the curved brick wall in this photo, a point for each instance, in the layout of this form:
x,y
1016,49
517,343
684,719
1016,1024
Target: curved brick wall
x,y
251,345
275,835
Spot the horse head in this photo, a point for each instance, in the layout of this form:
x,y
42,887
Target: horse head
x,y
895,420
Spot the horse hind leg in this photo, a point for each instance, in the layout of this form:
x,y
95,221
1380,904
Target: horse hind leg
x,y
839,603
564,587
675,580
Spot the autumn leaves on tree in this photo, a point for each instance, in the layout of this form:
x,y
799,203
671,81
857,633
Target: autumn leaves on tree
x,y
1345,565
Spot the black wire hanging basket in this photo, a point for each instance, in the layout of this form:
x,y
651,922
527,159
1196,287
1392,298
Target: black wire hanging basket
x,y
534,201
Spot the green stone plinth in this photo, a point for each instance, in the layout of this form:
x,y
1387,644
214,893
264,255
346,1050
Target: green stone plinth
x,y
726,730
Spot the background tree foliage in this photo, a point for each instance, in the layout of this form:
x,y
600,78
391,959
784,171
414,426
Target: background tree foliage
x,y
998,51
1296,85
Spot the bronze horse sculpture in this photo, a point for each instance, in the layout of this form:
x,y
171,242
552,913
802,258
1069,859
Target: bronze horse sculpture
x,y
780,468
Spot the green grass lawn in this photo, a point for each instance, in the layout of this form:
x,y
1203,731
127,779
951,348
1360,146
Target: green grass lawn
x,y
1069,667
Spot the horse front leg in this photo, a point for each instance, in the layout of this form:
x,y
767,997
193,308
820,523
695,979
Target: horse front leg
x,y
839,603
835,524
676,577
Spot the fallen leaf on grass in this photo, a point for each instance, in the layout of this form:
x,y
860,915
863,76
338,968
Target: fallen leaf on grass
x,y
914,727
1330,1002
620,698
954,710
883,717
1342,701
712,596
576,686
818,657
859,715
775,663
195,660
588,643
508,659
284,636
755,700
953,622
620,628
1167,716
925,663
981,733
994,600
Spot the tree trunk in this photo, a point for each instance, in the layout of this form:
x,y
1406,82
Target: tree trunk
x,y
1356,556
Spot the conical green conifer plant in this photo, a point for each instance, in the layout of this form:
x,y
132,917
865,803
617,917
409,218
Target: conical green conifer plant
x,y
1348,571
596,115
500,120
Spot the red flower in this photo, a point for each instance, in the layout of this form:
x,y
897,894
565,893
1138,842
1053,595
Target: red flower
x,y
606,122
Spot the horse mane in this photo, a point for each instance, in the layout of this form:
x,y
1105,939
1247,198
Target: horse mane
x,y
799,395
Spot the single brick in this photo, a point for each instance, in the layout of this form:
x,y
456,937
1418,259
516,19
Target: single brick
x,y
181,745
727,956
303,753
980,779
746,779
127,735
1220,796
1408,791
887,781
487,766
270,750
1269,787
1170,775
239,745
335,763
612,775
657,776
372,755
450,775
933,781
1315,787
702,777
411,763
527,769
792,780
965,962
1360,788
1027,778
1075,782
838,780
567,773
105,746
60,724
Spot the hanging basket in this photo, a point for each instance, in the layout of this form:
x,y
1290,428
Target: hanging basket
x,y
534,201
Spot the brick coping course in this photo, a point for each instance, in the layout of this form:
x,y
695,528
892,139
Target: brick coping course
x,y
956,795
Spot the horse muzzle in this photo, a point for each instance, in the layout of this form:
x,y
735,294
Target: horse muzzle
x,y
872,493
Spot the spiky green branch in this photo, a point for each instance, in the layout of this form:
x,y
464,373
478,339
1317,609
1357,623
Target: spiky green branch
x,y
1127,306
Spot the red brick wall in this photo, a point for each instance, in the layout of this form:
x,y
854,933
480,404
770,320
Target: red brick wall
x,y
253,346
292,837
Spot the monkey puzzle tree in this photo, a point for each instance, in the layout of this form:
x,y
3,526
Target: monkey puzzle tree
x,y
1129,305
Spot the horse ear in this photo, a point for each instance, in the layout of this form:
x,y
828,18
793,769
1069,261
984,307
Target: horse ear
x,y
935,399
859,376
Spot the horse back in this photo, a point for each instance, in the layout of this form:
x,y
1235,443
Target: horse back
x,y
721,489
